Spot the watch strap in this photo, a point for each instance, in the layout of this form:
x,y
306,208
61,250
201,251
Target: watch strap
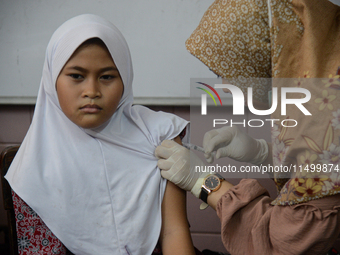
x,y
220,176
204,195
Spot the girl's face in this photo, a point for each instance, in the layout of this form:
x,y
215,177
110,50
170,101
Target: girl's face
x,y
89,86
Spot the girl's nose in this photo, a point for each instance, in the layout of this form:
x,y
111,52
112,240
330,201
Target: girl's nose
x,y
92,90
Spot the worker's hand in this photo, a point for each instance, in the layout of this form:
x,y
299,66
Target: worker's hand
x,y
178,164
234,143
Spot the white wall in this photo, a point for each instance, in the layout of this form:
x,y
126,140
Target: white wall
x,y
155,30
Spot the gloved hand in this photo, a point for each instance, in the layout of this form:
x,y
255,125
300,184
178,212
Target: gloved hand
x,y
177,164
234,143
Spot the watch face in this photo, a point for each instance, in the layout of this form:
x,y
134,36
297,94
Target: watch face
x,y
212,182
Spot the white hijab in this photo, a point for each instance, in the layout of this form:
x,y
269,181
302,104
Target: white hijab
x,y
99,191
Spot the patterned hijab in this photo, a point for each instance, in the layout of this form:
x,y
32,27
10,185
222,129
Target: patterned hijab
x,y
284,39
98,190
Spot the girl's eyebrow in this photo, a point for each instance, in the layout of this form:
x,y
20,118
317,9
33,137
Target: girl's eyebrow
x,y
81,69
109,68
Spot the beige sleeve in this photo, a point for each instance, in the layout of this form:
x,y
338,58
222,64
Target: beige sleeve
x,y
251,225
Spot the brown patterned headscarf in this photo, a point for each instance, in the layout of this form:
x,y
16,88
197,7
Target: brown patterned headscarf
x,y
284,39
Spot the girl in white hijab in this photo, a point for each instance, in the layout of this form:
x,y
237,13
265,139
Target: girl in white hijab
x,y
87,164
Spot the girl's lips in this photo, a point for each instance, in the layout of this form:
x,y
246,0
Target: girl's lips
x,y
91,108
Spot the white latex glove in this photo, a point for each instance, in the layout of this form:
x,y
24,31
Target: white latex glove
x,y
234,143
177,164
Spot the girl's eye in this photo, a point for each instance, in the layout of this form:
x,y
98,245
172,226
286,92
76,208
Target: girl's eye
x,y
76,76
107,77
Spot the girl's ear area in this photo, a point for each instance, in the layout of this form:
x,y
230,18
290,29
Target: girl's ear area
x,y
56,81
123,88
56,84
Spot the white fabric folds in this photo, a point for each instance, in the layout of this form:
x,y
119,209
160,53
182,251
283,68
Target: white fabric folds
x,y
99,190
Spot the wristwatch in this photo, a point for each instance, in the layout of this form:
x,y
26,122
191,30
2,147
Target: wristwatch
x,y
210,184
